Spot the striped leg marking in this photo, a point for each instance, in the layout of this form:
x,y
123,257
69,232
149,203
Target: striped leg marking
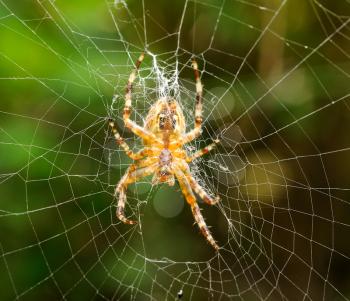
x,y
128,90
136,129
132,175
202,225
202,151
195,186
198,107
199,93
121,207
141,132
123,144
191,200
201,192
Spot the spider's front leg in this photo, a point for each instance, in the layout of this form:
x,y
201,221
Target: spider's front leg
x,y
133,174
136,129
198,107
191,200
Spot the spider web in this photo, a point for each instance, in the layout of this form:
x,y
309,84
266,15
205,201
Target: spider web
x,y
275,77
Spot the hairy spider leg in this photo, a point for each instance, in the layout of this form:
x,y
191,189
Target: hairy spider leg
x,y
195,185
198,107
132,76
136,129
191,200
132,175
135,156
202,225
201,192
202,151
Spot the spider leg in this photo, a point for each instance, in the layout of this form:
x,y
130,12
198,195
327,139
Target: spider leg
x,y
202,151
201,192
196,187
124,145
127,107
132,175
136,129
191,200
198,108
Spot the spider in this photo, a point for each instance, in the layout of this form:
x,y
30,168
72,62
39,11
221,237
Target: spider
x,y
163,136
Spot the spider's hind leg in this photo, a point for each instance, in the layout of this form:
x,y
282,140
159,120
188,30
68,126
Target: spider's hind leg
x,y
131,176
196,187
191,200
202,225
201,192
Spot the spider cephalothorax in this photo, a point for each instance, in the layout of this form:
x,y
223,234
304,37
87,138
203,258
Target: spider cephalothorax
x,y
164,135
165,116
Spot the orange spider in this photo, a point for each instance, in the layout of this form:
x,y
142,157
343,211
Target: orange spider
x,y
163,136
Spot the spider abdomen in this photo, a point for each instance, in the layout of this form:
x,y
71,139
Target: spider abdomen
x,y
165,157
165,174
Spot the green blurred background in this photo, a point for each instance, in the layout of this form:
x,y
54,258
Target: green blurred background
x,y
276,78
